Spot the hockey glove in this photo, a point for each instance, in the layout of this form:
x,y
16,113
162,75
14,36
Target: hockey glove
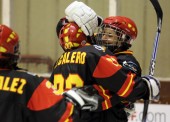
x,y
83,16
85,97
153,86
75,98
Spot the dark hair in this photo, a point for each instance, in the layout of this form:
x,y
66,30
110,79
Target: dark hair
x,y
60,24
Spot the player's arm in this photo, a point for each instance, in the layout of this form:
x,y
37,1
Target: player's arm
x,y
112,76
47,105
127,60
44,102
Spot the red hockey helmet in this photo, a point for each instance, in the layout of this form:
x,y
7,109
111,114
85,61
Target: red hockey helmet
x,y
9,44
123,30
123,23
71,37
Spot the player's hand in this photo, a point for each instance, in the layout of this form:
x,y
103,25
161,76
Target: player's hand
x,y
83,16
86,97
153,86
74,97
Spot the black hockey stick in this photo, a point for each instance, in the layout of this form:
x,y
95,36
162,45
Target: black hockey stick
x,y
159,13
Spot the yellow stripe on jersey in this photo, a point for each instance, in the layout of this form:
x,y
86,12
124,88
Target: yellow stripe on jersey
x,y
127,88
105,95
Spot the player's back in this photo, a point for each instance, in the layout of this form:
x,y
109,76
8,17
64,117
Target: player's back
x,y
75,68
84,66
16,88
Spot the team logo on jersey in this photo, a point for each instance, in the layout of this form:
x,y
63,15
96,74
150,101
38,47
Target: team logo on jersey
x,y
130,65
98,47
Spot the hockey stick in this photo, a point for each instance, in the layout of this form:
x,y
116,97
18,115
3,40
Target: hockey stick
x,y
159,13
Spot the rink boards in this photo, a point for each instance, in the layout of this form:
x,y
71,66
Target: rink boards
x,y
156,113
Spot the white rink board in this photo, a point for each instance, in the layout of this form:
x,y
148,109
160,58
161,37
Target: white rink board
x,y
156,113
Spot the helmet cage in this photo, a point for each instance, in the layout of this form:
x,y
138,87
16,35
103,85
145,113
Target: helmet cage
x,y
120,37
